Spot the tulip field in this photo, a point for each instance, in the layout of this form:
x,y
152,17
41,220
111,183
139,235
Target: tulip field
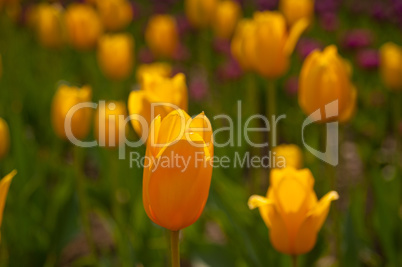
x,y
199,133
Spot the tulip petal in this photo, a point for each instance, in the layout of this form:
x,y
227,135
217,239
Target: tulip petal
x,y
351,107
294,35
320,211
202,126
139,107
4,185
278,232
263,204
306,237
173,127
177,195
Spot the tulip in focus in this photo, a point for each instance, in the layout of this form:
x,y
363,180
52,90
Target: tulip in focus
x,y
158,68
174,196
324,78
391,65
243,44
287,156
291,210
166,94
110,126
49,25
4,186
83,26
200,13
4,138
115,14
226,16
273,44
63,101
162,35
294,10
116,55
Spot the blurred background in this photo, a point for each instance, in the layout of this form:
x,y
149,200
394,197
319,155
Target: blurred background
x,y
63,196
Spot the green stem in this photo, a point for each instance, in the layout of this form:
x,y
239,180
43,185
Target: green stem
x,y
397,120
83,203
294,260
174,248
271,110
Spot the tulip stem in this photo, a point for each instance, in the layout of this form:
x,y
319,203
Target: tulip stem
x,y
294,260
83,204
271,110
174,248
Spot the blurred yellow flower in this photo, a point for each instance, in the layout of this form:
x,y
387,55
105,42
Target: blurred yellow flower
x,y
273,44
226,16
174,196
83,26
200,13
115,14
66,98
166,93
391,65
49,25
116,55
110,127
4,138
291,210
4,186
294,10
287,156
162,36
324,78
243,44
158,68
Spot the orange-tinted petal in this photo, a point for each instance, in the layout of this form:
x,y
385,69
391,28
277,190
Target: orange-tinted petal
x,y
177,194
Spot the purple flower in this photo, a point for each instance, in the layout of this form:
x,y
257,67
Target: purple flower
x,y
357,39
183,25
292,86
368,59
326,6
145,56
222,46
198,86
266,4
306,45
230,70
329,21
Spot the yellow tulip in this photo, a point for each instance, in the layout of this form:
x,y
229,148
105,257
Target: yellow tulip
x,y
157,68
166,93
243,44
391,65
116,55
83,26
4,185
4,138
174,195
110,127
294,10
324,78
162,35
66,98
49,25
226,16
200,13
287,156
291,210
115,14
273,44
